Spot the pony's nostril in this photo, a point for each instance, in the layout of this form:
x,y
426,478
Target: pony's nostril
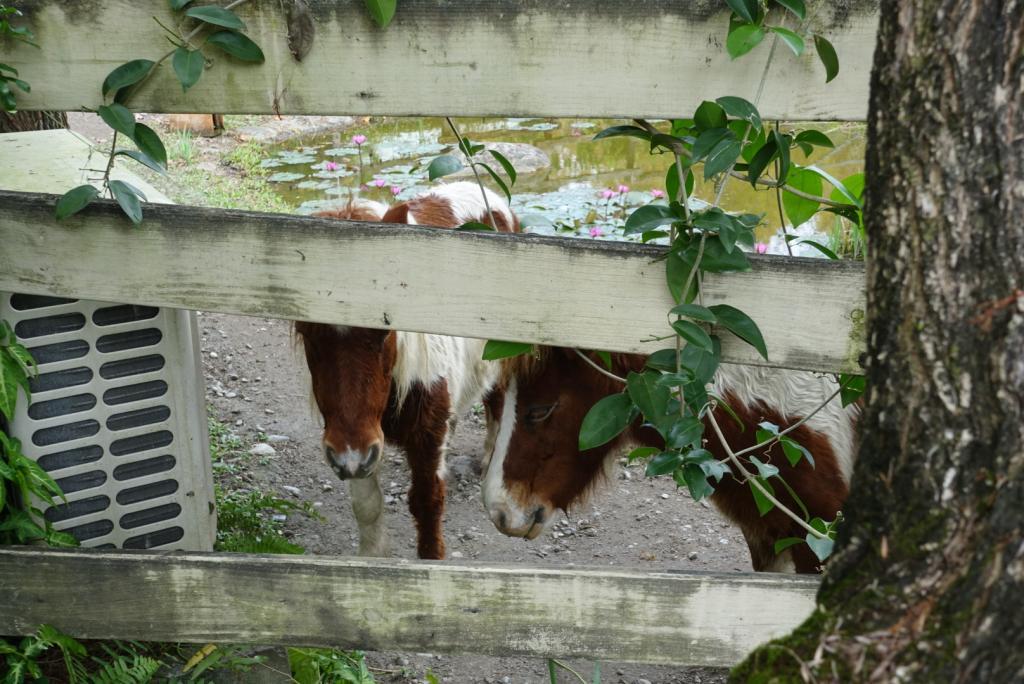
x,y
539,515
502,520
330,454
373,453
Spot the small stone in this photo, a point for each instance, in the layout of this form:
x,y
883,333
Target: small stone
x,y
278,439
262,450
279,517
723,540
625,475
233,376
590,532
318,504
238,423
327,487
404,662
230,395
269,411
692,555
506,680
388,499
294,491
456,554
248,346
641,681
664,496
214,355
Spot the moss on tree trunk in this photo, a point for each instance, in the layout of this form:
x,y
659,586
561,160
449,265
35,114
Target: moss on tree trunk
x,y
927,583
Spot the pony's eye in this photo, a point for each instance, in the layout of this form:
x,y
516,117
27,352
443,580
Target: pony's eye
x,y
537,414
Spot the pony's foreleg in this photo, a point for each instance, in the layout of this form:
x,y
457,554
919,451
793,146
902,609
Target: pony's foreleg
x,y
426,497
368,507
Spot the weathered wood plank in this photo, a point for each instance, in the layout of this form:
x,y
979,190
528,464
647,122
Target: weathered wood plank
x,y
588,294
682,619
463,57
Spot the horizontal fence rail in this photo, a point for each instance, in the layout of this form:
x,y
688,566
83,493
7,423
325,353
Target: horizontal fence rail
x,y
680,619
596,58
557,291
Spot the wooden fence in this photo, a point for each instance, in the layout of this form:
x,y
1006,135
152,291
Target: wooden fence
x,y
465,57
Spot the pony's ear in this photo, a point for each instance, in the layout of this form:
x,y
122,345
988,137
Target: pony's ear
x,y
397,214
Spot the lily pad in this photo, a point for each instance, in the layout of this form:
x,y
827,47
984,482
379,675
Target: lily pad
x,y
286,177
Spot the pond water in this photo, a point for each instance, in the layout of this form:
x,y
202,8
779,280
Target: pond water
x,y
563,173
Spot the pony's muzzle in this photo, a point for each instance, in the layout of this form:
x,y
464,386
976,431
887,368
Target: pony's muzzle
x,y
516,523
352,464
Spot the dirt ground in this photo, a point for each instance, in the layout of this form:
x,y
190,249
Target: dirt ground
x,y
256,385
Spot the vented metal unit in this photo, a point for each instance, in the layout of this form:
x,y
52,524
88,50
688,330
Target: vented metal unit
x,y
118,419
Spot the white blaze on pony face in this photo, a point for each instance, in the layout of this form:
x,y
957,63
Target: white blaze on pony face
x,y
507,514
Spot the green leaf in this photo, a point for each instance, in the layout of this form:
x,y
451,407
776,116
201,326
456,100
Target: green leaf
x,y
765,470
648,217
685,432
126,196
794,451
442,166
850,189
498,349
710,115
677,271
827,55
791,39
747,10
510,170
846,194
764,505
794,6
237,45
188,65
127,74
741,109
7,97
382,11
721,158
663,464
642,452
694,334
761,160
816,138
817,245
143,159
709,140
822,548
497,180
672,182
477,227
118,117
8,68
76,199
150,144
606,358
605,421
12,376
742,39
741,325
694,311
697,481
785,543
852,388
648,396
717,259
782,142
798,209
178,4
619,131
217,16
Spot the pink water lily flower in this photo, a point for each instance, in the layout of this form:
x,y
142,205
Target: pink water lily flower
x,y
657,194
379,182
761,248
623,189
596,232
330,166
358,139
607,193
395,190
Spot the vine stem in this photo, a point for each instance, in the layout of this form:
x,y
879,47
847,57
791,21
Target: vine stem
x,y
472,167
598,368
679,149
795,425
110,164
749,477
562,665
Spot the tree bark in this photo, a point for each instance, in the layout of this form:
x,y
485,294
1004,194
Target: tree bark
x,y
928,580
19,122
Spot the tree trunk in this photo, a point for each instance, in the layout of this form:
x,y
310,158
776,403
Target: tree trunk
x,y
19,122
929,578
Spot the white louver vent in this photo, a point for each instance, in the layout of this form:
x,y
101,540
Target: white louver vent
x,y
118,420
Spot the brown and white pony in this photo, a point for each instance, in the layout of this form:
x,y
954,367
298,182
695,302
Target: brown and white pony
x,y
403,388
536,466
